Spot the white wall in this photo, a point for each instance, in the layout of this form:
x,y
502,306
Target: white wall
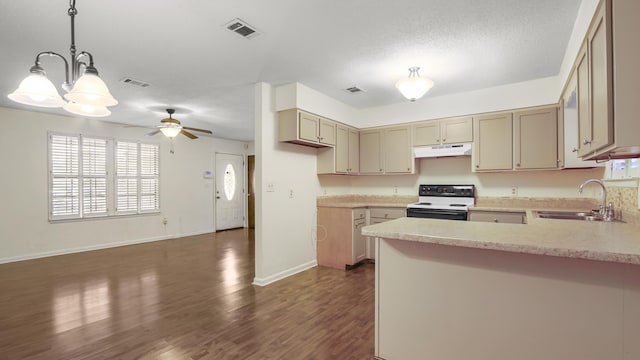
x,y
457,170
286,216
25,232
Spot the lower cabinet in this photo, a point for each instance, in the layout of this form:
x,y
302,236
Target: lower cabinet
x,y
507,217
339,240
377,216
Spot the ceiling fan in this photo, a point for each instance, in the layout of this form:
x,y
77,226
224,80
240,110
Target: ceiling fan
x,y
171,128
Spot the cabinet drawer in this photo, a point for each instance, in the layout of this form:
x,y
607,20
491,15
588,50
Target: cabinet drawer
x,y
498,217
387,213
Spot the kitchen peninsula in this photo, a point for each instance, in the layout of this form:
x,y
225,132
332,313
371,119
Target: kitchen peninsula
x,y
547,289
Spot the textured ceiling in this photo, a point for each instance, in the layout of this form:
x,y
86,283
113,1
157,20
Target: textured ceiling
x,y
207,72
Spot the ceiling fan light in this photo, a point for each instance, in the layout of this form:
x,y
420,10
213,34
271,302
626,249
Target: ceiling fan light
x,y
171,131
414,87
37,90
86,110
91,90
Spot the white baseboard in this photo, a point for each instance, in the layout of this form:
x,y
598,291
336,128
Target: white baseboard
x,y
95,247
283,274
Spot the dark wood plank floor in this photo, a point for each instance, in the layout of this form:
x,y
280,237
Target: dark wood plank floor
x,y
188,298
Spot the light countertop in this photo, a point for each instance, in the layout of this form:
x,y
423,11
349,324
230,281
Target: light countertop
x,y
592,240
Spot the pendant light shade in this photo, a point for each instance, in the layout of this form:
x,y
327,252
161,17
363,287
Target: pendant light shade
x,y
171,130
37,90
91,90
86,110
414,87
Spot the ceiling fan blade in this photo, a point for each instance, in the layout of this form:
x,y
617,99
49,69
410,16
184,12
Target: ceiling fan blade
x,y
153,132
188,134
196,129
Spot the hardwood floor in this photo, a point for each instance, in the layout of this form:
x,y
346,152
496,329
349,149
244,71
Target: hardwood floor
x,y
187,298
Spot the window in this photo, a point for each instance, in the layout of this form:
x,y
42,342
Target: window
x,y
137,177
229,182
80,184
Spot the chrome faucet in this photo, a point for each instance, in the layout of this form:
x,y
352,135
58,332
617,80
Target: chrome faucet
x,y
606,211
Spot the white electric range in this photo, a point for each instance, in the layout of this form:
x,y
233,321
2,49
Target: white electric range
x,y
449,202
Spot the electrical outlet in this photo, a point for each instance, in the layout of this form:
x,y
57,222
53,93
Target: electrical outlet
x,y
290,193
514,191
271,187
395,189
164,221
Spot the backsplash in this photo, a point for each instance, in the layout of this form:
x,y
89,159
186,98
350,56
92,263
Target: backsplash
x,y
625,202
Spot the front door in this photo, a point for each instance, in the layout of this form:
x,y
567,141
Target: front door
x,y
229,191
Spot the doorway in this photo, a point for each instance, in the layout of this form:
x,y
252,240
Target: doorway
x,y
251,196
229,188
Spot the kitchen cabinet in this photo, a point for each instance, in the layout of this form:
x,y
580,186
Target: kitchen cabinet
x,y
493,142
506,217
344,157
377,216
535,138
300,127
386,151
568,129
607,99
445,131
340,244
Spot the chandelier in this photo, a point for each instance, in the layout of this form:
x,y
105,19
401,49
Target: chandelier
x,y
87,94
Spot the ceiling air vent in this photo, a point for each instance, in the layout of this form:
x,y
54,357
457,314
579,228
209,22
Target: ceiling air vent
x,y
353,90
134,82
242,28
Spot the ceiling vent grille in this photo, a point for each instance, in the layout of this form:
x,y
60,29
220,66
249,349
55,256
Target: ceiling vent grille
x,y
243,29
353,90
134,82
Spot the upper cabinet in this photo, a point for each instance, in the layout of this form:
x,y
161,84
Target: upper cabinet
x,y
568,129
386,151
493,142
607,100
300,127
344,157
535,138
445,131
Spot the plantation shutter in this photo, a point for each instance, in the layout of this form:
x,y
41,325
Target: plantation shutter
x,y
64,170
149,178
127,171
94,177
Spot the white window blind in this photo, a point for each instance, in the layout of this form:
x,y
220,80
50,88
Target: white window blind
x,y
81,186
94,177
137,177
64,168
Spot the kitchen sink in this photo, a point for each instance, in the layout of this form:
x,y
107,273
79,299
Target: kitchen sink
x,y
568,215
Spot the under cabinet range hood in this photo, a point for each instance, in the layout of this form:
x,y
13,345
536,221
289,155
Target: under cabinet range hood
x,y
442,150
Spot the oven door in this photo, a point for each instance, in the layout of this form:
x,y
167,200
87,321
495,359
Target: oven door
x,y
437,214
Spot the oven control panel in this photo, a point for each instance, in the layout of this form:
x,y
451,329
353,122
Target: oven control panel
x,y
447,190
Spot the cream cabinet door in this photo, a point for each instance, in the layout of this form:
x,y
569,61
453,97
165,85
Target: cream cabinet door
x,y
584,115
455,131
354,151
535,138
308,126
493,142
426,133
599,50
327,132
398,157
342,149
371,152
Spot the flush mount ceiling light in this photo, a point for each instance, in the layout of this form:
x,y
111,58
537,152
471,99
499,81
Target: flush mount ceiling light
x,y
87,93
414,87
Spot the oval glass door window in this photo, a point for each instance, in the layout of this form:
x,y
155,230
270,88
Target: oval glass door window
x,y
229,182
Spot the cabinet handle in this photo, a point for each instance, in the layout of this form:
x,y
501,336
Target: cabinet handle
x,y
380,169
444,140
574,150
437,140
477,166
518,164
586,142
495,220
408,169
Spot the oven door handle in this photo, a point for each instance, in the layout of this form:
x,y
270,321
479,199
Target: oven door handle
x,y
437,211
